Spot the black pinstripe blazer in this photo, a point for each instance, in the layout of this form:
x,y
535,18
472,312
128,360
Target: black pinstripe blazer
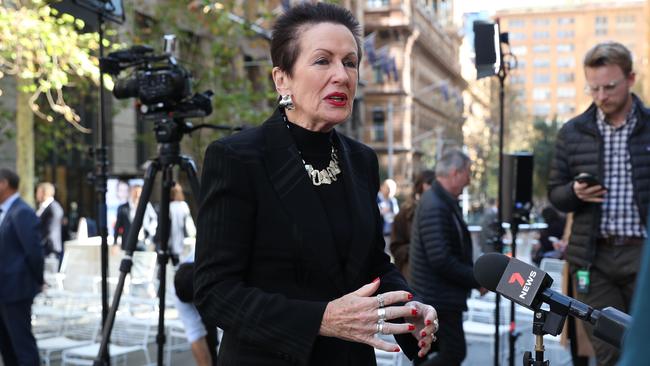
x,y
266,265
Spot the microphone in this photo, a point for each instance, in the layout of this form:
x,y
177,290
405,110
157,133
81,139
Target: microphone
x,y
529,286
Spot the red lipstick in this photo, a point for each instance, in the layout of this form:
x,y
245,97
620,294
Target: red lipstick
x,y
337,99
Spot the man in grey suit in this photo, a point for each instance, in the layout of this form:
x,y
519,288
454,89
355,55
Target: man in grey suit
x,y
22,273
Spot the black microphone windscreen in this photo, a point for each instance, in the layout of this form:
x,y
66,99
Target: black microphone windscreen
x,y
489,268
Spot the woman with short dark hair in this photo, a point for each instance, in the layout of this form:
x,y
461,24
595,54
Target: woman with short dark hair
x,y
290,255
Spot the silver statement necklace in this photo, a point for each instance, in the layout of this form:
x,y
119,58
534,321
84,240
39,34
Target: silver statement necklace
x,y
323,176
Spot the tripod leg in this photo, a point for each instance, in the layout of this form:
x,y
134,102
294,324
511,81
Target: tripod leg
x,y
188,166
164,224
127,261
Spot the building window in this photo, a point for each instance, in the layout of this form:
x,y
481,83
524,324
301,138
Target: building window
x,y
565,77
541,63
521,64
542,21
565,34
377,3
378,71
566,62
542,78
541,94
516,23
625,22
600,26
378,125
541,35
519,50
566,92
565,108
542,109
565,20
517,36
541,48
565,47
518,79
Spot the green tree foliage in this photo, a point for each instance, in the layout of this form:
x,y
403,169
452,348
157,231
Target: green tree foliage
x,y
544,137
45,52
213,39
45,49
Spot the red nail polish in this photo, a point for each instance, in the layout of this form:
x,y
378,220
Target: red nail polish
x,y
410,296
411,327
421,344
428,322
396,349
375,280
424,334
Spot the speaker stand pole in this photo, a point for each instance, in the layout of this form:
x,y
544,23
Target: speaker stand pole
x,y
497,309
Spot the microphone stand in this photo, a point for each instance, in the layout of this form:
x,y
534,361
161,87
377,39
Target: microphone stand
x,y
539,319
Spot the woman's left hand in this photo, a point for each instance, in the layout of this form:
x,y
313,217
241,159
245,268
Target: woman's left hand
x,y
426,325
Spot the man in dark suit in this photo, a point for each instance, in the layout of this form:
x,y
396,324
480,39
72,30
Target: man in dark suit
x,y
22,273
441,256
125,215
50,213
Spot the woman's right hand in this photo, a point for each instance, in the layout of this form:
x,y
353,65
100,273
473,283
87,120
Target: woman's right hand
x,y
355,316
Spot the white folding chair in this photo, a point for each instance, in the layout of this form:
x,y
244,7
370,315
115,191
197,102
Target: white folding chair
x,y
128,336
76,333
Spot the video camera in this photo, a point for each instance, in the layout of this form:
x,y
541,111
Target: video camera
x,y
157,81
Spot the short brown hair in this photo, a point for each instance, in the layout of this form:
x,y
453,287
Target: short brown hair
x,y
609,53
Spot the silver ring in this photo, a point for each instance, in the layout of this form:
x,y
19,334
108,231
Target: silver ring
x,y
381,313
436,324
380,327
380,300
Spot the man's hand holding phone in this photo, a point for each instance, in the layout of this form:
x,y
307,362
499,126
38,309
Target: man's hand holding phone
x,y
588,188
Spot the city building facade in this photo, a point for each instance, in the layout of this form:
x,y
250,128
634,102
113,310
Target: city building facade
x,y
413,88
549,44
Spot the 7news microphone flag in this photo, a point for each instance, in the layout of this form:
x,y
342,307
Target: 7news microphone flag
x,y
529,286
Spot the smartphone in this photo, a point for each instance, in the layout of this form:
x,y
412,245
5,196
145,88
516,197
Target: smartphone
x,y
589,179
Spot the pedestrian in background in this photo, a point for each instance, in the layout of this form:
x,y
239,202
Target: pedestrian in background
x,y
21,263
601,173
400,238
441,257
50,214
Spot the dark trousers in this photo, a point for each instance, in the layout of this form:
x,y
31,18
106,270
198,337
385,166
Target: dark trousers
x,y
17,343
612,280
450,346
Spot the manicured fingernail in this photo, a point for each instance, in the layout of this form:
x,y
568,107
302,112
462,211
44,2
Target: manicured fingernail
x,y
396,349
421,344
410,296
428,322
411,327
424,334
375,280
414,311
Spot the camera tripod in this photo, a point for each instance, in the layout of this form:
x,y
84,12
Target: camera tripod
x,y
169,132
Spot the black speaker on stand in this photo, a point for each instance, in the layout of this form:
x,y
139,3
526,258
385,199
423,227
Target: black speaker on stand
x,y
516,200
488,59
517,187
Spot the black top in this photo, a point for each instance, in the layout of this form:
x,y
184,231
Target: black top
x,y
316,149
